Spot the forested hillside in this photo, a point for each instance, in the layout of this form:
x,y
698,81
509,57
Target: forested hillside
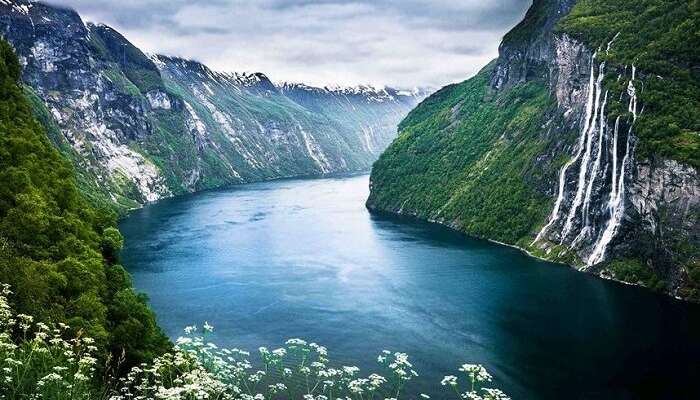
x,y
59,255
580,143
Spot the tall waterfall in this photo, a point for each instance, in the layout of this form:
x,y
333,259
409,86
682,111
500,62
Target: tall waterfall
x,y
592,206
617,196
583,169
554,216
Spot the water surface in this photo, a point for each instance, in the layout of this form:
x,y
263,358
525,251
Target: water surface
x,y
303,258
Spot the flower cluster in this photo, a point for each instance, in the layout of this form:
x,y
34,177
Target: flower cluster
x,y
45,362
476,376
38,361
198,369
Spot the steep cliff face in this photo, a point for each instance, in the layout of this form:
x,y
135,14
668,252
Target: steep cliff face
x,y
278,131
139,128
87,95
577,177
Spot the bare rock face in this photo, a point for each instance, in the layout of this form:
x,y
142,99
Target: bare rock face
x,y
663,218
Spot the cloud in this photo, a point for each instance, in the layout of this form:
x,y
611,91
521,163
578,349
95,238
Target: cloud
x,y
401,43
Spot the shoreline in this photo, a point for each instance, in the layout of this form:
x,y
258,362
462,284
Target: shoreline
x,y
607,277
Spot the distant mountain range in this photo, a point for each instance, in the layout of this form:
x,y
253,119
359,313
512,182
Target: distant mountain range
x,y
140,127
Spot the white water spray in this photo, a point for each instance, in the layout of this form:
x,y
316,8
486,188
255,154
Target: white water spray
x,y
596,164
617,205
589,157
583,170
554,216
613,191
617,197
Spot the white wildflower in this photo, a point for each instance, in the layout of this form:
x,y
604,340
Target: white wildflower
x,y
449,380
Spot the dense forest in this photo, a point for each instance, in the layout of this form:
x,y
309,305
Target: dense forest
x,y
488,198
60,255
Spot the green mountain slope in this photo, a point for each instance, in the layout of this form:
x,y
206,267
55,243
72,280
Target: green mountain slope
x,y
467,153
59,254
661,39
580,143
138,128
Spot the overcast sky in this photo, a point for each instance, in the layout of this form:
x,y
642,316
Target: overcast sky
x,y
403,43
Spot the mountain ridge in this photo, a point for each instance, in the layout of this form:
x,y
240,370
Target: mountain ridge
x,y
141,127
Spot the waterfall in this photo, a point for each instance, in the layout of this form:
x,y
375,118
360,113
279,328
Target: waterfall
x,y
617,196
613,189
596,164
607,49
632,93
617,206
554,216
583,170
595,142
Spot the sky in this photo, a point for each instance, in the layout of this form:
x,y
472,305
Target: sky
x,y
400,43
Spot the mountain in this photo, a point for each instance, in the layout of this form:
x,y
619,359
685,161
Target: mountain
x,y
141,127
385,107
58,254
579,144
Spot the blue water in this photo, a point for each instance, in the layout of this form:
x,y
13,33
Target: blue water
x,y
304,258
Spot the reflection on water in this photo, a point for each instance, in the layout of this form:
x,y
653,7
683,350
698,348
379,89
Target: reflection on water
x,y
303,258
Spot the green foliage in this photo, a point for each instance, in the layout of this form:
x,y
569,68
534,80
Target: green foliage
x,y
532,23
123,84
112,243
56,250
633,271
38,361
692,291
661,39
465,156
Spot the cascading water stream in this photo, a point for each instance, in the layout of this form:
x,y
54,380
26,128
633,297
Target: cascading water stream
x,y
554,216
594,142
617,196
613,189
596,166
583,170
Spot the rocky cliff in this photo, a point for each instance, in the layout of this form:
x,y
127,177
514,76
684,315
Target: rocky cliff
x,y
574,144
139,127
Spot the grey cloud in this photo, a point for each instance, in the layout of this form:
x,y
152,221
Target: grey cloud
x,y
398,42
452,15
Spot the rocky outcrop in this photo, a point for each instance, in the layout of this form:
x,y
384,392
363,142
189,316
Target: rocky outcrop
x,y
139,128
662,221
